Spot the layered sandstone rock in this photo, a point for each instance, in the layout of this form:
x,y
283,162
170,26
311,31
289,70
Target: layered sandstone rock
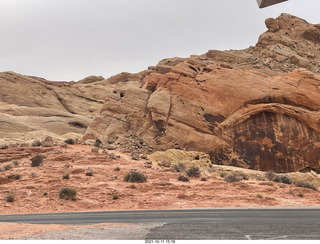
x,y
33,108
256,108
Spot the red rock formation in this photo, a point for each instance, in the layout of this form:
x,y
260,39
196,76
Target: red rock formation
x,y
256,108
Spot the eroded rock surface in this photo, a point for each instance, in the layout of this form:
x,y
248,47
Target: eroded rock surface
x,y
256,108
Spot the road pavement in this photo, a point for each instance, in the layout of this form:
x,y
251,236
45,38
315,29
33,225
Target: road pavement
x,y
202,224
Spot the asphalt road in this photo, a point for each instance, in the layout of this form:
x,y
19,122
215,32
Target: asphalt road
x,y
194,224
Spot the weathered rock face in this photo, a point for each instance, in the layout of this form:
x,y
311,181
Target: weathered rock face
x,y
33,108
256,108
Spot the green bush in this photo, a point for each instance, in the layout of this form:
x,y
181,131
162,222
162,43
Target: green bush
x,y
67,193
115,196
36,160
134,176
194,172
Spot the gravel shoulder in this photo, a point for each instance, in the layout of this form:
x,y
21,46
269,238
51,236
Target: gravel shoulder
x,y
98,232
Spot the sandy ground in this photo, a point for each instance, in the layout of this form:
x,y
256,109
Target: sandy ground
x,y
37,189
31,231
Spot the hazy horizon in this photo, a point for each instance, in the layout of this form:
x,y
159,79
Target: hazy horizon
x,y
70,40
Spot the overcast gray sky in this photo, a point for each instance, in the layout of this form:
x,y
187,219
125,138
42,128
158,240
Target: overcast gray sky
x,y
72,39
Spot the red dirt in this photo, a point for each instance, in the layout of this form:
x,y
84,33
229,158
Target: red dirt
x,y
161,191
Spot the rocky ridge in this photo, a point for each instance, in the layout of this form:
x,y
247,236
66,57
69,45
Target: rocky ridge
x,y
256,108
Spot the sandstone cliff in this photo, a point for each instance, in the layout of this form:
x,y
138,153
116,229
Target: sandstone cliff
x,y
31,108
256,108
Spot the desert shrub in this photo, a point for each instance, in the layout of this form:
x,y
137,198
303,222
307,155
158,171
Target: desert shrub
x,y
17,176
232,178
32,174
36,143
179,167
69,141
300,194
10,197
45,193
194,172
283,179
267,183
15,162
259,195
204,178
36,160
132,186
89,172
134,176
117,169
165,163
282,185
243,176
260,177
305,184
8,166
67,193
270,175
183,178
66,176
115,196
97,143
223,174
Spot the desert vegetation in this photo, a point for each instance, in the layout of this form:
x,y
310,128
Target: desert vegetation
x,y
36,160
134,176
69,141
305,184
183,178
67,193
194,172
